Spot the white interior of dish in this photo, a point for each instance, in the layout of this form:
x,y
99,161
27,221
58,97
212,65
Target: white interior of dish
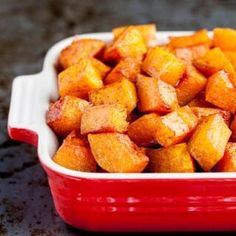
x,y
46,84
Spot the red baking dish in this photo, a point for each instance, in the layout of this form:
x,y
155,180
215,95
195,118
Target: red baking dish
x,y
117,202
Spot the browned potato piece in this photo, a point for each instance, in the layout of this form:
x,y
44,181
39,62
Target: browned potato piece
x,y
155,95
231,55
208,142
104,118
129,43
65,114
101,67
173,159
225,38
162,64
190,85
75,154
143,131
201,112
148,32
198,37
122,92
127,68
79,79
221,92
176,126
228,162
79,49
116,153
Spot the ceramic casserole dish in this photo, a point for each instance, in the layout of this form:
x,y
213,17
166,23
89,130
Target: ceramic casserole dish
x,y
117,202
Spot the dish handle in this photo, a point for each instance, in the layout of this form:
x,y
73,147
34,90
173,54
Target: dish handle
x,y
25,113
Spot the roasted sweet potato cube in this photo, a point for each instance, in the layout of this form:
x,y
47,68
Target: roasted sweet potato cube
x,y
214,61
164,65
79,79
155,95
176,126
201,112
104,118
233,129
190,85
127,68
208,142
199,37
225,38
172,159
101,67
65,114
129,43
148,32
221,92
231,55
228,162
116,153
188,54
75,154
143,130
79,49
122,92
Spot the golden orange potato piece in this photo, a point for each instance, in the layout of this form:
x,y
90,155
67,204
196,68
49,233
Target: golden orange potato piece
x,y
233,129
162,64
79,49
143,131
225,38
75,154
79,79
104,118
122,92
190,85
221,92
231,55
228,162
172,159
129,43
176,126
101,67
127,68
148,31
116,153
154,95
208,142
198,37
65,114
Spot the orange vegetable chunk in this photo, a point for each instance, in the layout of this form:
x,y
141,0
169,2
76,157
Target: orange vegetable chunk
x,y
116,153
102,68
225,38
172,159
75,154
208,142
231,55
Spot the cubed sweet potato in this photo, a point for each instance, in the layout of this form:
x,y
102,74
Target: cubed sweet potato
x,y
225,38
122,92
176,126
129,43
208,142
127,68
214,61
198,37
75,154
79,79
65,114
221,92
231,55
188,54
104,118
233,129
116,153
101,67
143,131
164,65
79,49
154,95
172,159
228,162
201,112
148,32
190,85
